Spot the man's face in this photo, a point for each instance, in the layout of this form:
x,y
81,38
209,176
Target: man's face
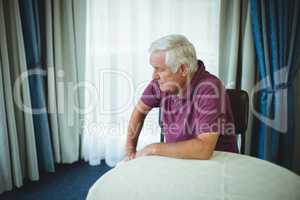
x,y
167,80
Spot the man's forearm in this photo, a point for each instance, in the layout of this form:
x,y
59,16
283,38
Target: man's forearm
x,y
135,126
133,134
189,149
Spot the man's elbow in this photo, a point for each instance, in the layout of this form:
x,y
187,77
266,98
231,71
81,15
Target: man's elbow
x,y
209,155
206,145
206,153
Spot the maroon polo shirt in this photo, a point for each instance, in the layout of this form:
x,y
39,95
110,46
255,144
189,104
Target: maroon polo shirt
x,y
203,108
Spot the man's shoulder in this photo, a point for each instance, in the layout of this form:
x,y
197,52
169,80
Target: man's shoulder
x,y
208,84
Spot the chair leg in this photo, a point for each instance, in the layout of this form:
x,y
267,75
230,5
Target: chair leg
x,y
162,137
243,143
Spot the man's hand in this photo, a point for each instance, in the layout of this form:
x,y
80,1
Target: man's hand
x,y
146,151
130,153
130,156
201,147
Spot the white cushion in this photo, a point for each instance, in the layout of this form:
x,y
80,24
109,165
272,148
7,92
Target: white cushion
x,y
225,176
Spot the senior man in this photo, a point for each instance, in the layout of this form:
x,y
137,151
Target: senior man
x,y
196,113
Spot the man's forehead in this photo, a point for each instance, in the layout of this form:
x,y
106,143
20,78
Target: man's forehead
x,y
157,59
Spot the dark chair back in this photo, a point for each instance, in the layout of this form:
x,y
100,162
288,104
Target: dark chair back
x,y
239,101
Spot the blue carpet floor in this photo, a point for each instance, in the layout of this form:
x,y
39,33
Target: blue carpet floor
x,y
70,182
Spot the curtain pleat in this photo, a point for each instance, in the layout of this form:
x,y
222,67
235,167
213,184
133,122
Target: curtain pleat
x,y
32,16
65,79
5,172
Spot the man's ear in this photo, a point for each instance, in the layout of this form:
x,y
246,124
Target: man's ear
x,y
184,69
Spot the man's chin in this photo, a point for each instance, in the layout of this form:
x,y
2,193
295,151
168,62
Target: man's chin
x,y
163,89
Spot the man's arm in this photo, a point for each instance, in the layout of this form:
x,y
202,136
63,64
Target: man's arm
x,y
201,147
134,128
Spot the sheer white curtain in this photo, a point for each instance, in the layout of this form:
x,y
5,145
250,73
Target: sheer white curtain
x,y
119,33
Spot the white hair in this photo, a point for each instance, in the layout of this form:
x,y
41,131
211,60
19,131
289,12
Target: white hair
x,y
179,50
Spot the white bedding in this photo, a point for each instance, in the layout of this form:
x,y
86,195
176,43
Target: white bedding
x,y
226,176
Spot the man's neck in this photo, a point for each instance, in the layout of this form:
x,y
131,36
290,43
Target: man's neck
x,y
182,92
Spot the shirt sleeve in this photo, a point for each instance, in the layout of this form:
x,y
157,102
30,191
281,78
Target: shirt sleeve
x,y
152,95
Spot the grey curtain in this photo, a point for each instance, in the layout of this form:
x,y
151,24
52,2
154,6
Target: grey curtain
x,y
63,69
236,51
18,156
65,58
